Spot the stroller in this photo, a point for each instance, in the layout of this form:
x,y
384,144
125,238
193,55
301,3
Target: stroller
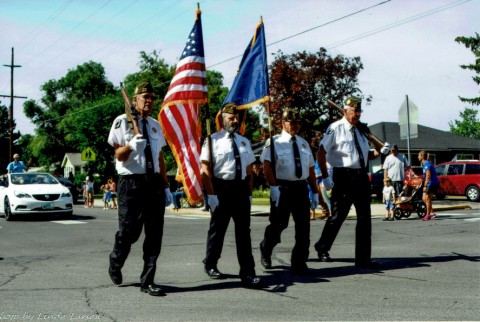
x,y
410,199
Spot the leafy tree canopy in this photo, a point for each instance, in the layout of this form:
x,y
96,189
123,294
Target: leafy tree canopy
x,y
304,81
473,43
79,88
468,126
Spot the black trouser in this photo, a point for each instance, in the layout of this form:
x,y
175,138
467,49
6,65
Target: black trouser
x,y
234,202
350,187
293,200
141,203
398,186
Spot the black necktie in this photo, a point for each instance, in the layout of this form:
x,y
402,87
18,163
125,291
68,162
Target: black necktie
x,y
357,146
236,154
148,150
296,158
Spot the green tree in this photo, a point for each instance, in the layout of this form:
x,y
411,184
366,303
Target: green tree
x,y
80,88
468,126
305,81
473,43
5,138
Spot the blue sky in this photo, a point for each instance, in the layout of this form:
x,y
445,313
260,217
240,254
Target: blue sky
x,y
407,46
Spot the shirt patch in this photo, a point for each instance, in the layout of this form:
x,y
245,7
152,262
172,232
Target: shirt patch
x,y
330,131
154,130
118,123
304,146
243,143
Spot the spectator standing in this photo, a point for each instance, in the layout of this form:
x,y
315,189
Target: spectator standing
x,y
395,165
294,165
16,166
143,189
89,200
388,193
106,196
430,183
113,192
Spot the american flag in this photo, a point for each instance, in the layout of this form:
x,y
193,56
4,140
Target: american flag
x,y
180,112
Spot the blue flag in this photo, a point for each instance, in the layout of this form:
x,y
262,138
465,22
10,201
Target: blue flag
x,y
250,86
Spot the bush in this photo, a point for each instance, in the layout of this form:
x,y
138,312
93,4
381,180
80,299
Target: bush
x,y
259,193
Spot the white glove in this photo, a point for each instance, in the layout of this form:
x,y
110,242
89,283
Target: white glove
x,y
213,202
327,183
168,197
315,201
275,194
137,143
385,149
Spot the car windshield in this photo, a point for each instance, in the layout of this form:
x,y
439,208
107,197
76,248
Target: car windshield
x,y
32,178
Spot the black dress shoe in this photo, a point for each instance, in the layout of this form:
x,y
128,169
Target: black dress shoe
x,y
153,290
324,257
252,281
213,273
115,275
367,264
266,261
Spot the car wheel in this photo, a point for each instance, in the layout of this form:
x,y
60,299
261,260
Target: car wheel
x,y
421,209
473,193
7,210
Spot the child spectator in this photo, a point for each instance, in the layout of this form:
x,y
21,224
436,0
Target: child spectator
x,y
389,199
106,196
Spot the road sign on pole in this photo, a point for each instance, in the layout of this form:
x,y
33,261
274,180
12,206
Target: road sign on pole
x,y
408,121
88,155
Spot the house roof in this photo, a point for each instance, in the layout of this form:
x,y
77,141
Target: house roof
x,y
74,158
428,138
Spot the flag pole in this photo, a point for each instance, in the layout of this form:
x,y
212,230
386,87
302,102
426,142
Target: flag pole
x,y
272,147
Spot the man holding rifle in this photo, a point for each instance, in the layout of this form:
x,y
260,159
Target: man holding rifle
x,y
143,190
294,165
345,146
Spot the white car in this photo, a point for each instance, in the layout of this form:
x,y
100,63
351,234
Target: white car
x,y
33,193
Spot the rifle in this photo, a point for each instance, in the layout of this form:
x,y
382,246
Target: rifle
x,y
129,111
363,128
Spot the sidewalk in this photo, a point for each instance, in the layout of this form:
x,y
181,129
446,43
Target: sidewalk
x,y
377,209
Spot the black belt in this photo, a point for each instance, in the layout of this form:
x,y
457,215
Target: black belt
x,y
350,170
140,176
288,183
228,183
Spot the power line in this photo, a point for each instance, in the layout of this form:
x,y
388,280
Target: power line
x,y
396,24
65,34
37,31
310,29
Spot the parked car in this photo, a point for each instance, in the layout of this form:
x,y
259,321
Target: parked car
x,y
33,193
459,178
376,180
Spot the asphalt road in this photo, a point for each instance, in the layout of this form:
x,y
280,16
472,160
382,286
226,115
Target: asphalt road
x,y
56,270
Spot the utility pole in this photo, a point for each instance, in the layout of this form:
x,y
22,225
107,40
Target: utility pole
x,y
12,66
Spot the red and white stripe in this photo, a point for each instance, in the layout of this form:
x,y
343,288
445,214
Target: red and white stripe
x,y
180,120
